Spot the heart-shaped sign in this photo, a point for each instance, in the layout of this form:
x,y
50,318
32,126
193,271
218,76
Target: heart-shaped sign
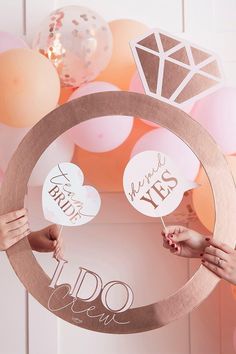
x,y
66,201
153,184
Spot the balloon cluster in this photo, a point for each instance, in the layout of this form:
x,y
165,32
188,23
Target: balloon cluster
x,y
75,53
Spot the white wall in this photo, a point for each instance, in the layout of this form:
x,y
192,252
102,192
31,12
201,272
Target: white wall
x,y
26,327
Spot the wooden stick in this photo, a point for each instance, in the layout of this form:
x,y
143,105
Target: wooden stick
x,y
163,223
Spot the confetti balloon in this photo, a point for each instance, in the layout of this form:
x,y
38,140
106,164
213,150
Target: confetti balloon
x,y
77,41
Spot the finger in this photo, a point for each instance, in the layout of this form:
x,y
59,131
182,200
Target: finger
x,y
14,225
13,215
217,270
57,249
58,253
222,246
19,231
167,243
216,252
183,236
54,232
51,246
174,229
214,260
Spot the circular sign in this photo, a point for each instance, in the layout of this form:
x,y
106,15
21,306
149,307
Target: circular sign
x,y
153,184
61,300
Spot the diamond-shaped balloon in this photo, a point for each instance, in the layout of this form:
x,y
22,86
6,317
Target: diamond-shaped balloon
x,y
174,70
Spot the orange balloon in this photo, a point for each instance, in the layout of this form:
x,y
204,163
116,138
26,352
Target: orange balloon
x,y
203,200
105,170
233,289
122,66
30,87
65,93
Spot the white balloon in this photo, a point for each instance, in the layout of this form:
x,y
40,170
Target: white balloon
x,y
10,138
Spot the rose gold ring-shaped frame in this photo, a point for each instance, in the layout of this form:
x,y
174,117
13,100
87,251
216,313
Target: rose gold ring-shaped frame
x,y
14,187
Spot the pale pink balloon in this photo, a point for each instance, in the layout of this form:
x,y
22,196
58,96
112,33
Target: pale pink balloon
x,y
168,143
217,114
103,133
137,86
10,41
61,150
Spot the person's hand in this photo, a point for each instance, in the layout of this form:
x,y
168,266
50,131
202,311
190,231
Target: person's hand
x,y
221,260
13,227
183,242
47,240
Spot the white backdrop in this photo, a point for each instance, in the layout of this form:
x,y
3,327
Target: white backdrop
x,y
26,327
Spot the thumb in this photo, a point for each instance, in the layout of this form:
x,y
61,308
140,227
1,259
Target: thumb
x,y
50,245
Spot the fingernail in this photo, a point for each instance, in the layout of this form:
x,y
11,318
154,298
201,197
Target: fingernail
x,y
201,254
207,238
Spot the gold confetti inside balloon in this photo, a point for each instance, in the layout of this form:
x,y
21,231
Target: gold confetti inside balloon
x,y
77,41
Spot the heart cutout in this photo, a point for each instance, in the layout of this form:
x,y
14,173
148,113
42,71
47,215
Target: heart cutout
x,y
65,200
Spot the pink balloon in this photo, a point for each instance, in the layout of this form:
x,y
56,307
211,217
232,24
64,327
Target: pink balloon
x,y
217,114
187,107
137,86
61,150
103,133
9,41
164,141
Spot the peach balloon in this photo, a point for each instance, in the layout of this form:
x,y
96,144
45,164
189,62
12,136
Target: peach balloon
x,y
30,87
122,66
65,93
203,200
